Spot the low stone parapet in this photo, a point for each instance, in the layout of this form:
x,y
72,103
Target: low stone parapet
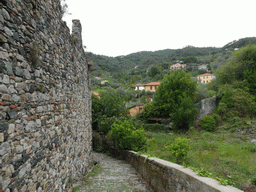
x,y
163,175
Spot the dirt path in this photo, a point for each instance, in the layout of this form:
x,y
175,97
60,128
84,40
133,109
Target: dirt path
x,y
111,175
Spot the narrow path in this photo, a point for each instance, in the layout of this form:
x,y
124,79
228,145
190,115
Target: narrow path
x,y
112,175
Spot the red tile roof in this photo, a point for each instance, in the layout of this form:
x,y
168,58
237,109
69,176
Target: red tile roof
x,y
154,83
95,93
206,74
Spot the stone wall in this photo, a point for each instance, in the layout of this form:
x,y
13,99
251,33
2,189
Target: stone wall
x,y
45,100
162,175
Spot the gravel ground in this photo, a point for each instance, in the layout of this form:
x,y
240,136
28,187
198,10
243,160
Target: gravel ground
x,y
111,175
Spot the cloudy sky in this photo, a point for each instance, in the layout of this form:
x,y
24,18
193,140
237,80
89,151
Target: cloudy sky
x,y
121,27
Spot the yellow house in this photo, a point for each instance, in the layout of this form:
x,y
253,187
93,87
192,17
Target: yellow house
x,y
134,110
205,78
151,86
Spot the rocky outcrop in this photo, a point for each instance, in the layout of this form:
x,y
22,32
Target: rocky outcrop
x,y
45,101
206,106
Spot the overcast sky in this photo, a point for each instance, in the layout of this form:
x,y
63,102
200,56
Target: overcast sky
x,y
121,27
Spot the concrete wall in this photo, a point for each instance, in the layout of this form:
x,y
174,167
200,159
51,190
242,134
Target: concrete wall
x,y
45,99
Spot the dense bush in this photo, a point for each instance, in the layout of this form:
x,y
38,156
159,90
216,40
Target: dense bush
x,y
179,149
184,115
208,123
240,67
216,118
108,106
235,102
127,137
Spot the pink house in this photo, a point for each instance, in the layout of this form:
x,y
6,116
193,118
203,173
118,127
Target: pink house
x,y
178,66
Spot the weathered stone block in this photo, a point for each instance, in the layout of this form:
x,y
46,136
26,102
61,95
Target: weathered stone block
x,y
4,148
3,89
30,126
3,126
11,128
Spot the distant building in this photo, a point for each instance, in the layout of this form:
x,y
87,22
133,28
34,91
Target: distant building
x,y
177,66
96,94
152,86
205,78
134,110
98,78
103,82
139,87
202,67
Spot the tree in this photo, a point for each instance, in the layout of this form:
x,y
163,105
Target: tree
x,y
108,106
175,96
173,88
153,71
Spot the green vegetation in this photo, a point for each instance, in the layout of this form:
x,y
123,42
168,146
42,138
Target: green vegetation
x,y
174,99
218,145
227,157
208,123
179,149
94,172
34,53
127,137
77,188
104,110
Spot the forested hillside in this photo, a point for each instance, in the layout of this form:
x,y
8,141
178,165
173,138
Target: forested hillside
x,y
145,59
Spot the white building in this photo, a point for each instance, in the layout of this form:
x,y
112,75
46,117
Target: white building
x,y
139,87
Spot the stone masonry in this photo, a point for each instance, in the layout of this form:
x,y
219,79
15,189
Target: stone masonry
x,y
45,98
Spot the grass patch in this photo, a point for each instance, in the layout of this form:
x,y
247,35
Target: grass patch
x,y
75,188
226,156
94,172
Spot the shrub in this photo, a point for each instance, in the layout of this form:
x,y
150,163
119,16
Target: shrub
x,y
216,118
105,125
208,123
108,106
235,102
179,149
254,181
127,137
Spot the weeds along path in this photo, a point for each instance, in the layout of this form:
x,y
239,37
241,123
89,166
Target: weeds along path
x,y
111,175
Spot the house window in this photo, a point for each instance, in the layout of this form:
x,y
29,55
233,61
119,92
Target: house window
x,y
204,81
155,87
150,87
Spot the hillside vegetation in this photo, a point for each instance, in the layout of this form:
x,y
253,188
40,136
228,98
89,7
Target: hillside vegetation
x,y
144,59
221,145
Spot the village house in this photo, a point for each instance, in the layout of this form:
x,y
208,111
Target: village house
x,y
139,87
151,86
104,82
136,109
205,78
177,66
95,93
202,67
